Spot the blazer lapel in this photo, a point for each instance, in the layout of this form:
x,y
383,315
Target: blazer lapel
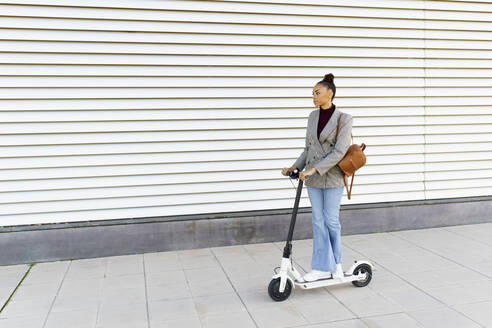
x,y
330,126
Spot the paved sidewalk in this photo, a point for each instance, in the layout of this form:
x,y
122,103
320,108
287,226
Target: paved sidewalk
x,y
423,278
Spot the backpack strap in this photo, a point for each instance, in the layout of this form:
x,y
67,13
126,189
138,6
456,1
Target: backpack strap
x,y
349,191
338,126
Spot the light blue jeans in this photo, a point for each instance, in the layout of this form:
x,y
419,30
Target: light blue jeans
x,y
327,240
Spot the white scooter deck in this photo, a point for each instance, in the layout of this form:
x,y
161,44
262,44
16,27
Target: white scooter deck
x,y
329,281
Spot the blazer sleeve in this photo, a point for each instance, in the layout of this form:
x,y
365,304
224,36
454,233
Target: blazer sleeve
x,y
341,146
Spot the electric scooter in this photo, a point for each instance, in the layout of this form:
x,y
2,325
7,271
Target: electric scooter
x,y
285,279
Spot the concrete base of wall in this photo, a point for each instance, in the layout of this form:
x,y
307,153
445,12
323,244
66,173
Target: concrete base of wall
x,y
76,240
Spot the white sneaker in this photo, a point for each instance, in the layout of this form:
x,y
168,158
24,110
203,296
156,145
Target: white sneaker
x,y
338,273
314,275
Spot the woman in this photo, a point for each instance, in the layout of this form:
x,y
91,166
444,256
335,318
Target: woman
x,y
324,179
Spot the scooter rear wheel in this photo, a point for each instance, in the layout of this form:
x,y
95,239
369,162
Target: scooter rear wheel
x,y
275,294
360,269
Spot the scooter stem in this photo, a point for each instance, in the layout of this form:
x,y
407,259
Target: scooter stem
x,y
288,244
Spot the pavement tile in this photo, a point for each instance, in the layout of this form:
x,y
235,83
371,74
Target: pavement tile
x,y
162,261
189,322
75,303
365,301
168,291
166,310
15,268
23,322
197,252
123,296
258,299
283,315
376,241
218,304
447,244
124,281
124,265
198,262
165,277
262,248
83,270
210,287
250,283
207,281
479,312
443,317
230,253
400,320
10,276
36,291
86,287
241,268
203,274
466,292
56,266
240,319
412,299
9,282
321,311
485,267
385,281
129,315
44,277
442,278
354,323
72,319
480,232
309,295
33,308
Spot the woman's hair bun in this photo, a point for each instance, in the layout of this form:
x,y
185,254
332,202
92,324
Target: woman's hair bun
x,y
329,77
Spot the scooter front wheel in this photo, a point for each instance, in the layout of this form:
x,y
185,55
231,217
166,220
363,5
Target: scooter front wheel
x,y
361,269
274,290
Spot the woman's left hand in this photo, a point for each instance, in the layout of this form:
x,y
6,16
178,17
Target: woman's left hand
x,y
305,174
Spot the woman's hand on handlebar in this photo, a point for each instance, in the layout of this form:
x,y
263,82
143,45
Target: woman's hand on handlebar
x,y
285,169
305,174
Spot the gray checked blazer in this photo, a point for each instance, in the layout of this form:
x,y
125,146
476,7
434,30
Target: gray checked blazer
x,y
325,153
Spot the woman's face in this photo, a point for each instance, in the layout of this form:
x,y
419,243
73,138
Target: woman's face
x,y
322,96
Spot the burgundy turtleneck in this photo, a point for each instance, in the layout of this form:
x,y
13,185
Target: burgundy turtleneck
x,y
324,117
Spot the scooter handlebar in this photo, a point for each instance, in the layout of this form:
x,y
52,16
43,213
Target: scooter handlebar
x,y
293,174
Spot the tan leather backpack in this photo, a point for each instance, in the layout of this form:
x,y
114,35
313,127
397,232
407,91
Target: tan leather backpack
x,y
353,160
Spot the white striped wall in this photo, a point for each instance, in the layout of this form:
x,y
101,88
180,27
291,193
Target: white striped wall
x,y
125,109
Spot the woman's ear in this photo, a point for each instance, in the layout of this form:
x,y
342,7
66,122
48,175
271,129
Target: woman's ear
x,y
330,93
